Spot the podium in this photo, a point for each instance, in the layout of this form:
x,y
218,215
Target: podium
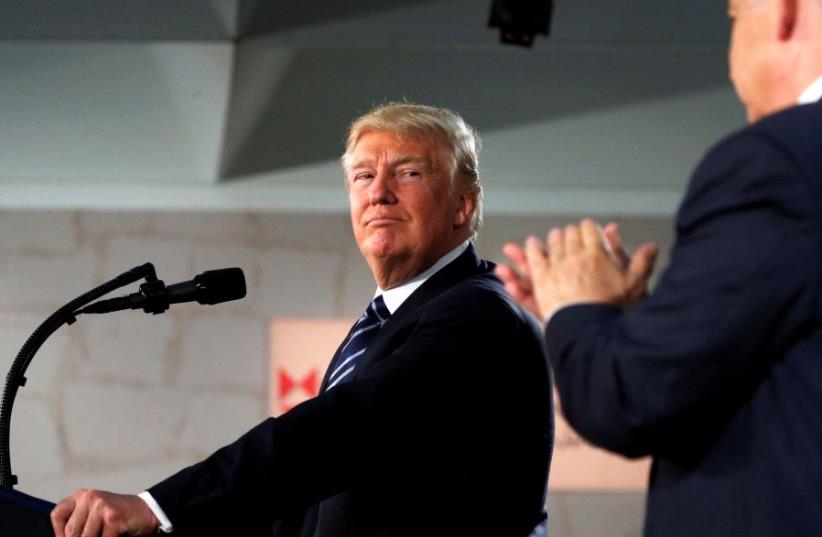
x,y
22,515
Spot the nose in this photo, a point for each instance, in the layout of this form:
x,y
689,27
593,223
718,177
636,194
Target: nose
x,y
380,191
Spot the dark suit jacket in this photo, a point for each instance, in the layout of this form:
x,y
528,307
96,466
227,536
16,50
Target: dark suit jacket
x,y
718,374
445,429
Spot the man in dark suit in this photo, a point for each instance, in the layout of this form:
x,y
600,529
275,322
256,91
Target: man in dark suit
x,y
412,432
718,374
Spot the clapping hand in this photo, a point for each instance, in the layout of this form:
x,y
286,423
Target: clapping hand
x,y
582,264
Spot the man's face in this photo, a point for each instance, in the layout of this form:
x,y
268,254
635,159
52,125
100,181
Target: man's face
x,y
405,211
753,29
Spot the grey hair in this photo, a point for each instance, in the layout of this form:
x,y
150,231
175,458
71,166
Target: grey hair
x,y
438,125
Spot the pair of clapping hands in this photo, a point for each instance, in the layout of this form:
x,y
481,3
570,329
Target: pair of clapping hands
x,y
578,264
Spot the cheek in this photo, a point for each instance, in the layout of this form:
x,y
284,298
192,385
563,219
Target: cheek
x,y
356,208
733,51
736,63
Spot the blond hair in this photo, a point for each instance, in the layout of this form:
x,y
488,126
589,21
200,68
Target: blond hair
x,y
434,125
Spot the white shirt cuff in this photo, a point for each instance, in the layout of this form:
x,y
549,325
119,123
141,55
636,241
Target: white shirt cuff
x,y
165,523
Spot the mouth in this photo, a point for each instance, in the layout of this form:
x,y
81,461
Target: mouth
x,y
382,221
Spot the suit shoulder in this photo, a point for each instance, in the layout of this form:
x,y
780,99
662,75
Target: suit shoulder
x,y
784,124
771,159
788,130
798,133
481,296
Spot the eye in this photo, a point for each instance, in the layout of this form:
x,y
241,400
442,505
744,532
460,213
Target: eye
x,y
410,173
362,176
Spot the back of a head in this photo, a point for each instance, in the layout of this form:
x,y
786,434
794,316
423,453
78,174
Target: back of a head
x,y
775,52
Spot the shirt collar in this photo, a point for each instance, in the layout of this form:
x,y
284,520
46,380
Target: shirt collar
x,y
395,296
812,93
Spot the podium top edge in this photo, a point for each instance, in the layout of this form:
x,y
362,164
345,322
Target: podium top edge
x,y
25,501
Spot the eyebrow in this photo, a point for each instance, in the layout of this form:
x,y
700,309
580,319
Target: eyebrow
x,y
396,161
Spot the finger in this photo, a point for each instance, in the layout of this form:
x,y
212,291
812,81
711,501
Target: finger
x,y
556,243
642,264
611,231
614,240
573,240
522,297
77,520
535,255
505,273
94,524
592,237
517,286
60,515
516,255
110,532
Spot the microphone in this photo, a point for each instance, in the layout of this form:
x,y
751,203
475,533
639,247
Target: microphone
x,y
210,287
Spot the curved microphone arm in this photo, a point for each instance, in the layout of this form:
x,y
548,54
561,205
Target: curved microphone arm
x,y
16,375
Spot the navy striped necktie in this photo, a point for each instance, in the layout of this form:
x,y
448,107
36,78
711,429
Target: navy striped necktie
x,y
362,335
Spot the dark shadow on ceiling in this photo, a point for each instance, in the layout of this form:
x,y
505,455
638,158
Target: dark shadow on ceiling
x,y
264,16
304,120
458,22
578,20
112,19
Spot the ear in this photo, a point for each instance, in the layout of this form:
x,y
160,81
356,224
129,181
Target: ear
x,y
788,14
465,208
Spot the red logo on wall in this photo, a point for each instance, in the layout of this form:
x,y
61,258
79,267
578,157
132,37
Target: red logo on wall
x,y
293,391
300,351
308,384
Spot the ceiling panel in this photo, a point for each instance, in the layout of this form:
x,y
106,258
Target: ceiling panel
x,y
606,114
118,19
319,91
355,21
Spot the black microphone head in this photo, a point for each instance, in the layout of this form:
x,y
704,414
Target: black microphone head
x,y
222,285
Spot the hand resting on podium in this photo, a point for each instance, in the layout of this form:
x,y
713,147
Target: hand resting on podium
x,y
93,513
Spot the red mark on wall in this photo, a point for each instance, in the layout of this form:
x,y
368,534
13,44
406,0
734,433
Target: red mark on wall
x,y
306,387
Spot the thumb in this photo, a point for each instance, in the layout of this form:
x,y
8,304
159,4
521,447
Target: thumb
x,y
641,265
613,240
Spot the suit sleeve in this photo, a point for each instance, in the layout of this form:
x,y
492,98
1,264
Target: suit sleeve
x,y
740,287
371,428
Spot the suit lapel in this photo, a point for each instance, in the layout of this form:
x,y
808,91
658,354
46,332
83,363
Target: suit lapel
x,y
465,266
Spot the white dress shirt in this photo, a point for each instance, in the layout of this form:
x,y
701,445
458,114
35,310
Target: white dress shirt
x,y
812,93
393,298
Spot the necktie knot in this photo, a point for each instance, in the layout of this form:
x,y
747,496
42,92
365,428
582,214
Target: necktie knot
x,y
361,336
378,309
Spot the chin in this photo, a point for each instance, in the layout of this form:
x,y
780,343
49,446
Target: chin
x,y
379,246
